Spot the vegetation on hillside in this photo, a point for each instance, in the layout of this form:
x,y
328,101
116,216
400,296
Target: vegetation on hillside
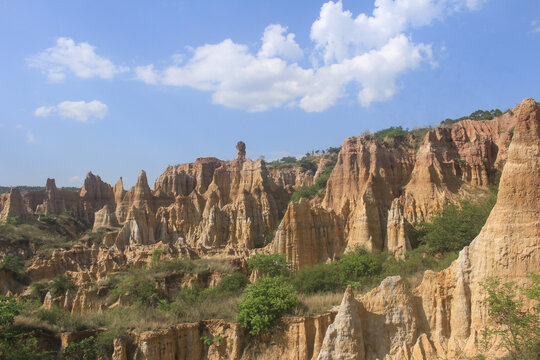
x,y
514,330
49,233
476,115
397,131
309,192
455,226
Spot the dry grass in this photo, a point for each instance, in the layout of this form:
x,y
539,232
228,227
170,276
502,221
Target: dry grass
x,y
318,303
140,317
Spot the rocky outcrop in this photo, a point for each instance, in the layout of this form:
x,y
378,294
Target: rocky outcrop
x,y
445,314
397,240
344,338
104,218
95,194
14,206
308,235
296,338
508,247
56,201
379,188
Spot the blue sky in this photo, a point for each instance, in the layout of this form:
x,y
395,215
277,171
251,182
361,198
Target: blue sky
x,y
113,87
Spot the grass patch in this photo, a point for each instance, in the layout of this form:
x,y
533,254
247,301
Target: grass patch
x,y
313,304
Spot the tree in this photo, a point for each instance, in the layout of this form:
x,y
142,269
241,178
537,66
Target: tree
x,y
271,265
518,331
17,343
265,301
12,263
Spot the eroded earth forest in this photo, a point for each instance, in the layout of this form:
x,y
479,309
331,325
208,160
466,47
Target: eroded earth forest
x,y
403,244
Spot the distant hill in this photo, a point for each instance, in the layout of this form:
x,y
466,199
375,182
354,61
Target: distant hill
x,y
24,188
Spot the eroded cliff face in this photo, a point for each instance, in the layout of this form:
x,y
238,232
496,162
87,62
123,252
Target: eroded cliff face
x,y
376,190
444,315
379,188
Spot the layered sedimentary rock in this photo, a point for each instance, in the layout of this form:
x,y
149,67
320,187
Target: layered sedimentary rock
x,y
445,314
308,235
94,195
14,206
344,338
378,188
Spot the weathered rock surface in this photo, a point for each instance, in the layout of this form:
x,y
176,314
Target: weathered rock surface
x,y
308,235
377,189
14,206
445,314
344,338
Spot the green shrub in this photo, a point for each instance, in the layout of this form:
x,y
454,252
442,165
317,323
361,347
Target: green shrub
x,y
13,220
104,342
265,301
477,115
12,263
17,343
359,267
211,341
322,180
82,350
232,283
141,288
518,331
271,265
52,316
39,289
318,278
156,257
309,192
455,227
9,308
307,165
305,192
60,284
391,132
333,150
288,160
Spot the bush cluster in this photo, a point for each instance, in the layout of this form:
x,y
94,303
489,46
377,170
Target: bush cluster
x,y
309,192
476,115
264,302
456,226
12,263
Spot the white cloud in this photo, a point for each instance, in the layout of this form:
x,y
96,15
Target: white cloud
x,y
370,51
76,110
74,179
30,138
77,58
146,74
275,44
338,35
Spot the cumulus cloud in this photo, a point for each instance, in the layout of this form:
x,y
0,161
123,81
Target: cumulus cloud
x,y
75,110
146,74
74,179
371,51
79,59
275,44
